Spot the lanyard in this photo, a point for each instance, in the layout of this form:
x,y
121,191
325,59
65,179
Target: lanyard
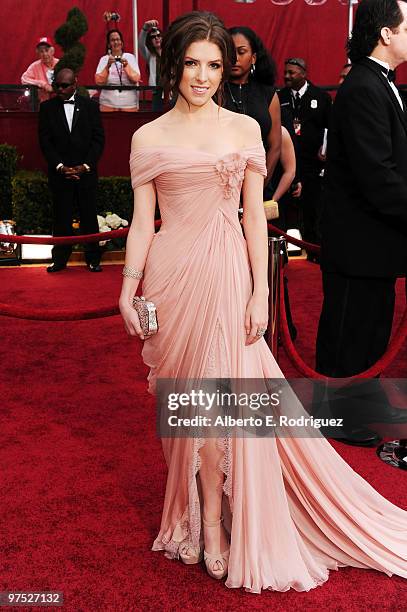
x,y
119,72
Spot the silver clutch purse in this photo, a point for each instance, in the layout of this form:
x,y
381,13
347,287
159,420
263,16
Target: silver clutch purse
x,y
147,314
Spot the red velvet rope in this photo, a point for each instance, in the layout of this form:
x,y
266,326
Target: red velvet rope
x,y
308,246
297,361
122,233
37,314
108,311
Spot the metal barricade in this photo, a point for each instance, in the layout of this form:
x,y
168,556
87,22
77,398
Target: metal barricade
x,y
18,98
277,250
9,251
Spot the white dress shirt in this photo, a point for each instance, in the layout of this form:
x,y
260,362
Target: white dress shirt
x,y
392,85
69,111
300,91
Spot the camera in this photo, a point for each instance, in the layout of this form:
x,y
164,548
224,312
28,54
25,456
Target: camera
x,y
108,16
117,58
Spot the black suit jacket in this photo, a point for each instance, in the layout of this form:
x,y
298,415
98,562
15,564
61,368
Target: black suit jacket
x,y
314,114
364,221
82,145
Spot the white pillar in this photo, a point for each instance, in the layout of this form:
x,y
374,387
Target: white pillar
x,y
135,29
350,16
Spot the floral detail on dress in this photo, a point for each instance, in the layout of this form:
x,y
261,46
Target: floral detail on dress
x,y
231,172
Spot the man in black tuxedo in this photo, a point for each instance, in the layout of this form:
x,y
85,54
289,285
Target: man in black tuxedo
x,y
364,222
72,139
309,107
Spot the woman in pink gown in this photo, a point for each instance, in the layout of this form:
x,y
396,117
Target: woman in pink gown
x,y
292,508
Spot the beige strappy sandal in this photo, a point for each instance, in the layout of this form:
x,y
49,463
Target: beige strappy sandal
x,y
216,563
191,554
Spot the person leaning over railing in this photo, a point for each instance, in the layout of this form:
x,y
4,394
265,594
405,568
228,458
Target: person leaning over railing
x,y
149,42
41,72
117,68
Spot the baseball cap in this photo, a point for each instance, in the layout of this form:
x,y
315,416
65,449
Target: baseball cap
x,y
44,40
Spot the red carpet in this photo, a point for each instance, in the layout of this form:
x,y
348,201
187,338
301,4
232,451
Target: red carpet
x,y
82,474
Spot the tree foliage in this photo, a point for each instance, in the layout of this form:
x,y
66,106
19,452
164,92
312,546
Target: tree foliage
x,y
67,36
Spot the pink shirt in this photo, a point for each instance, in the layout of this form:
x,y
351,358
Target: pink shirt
x,y
39,74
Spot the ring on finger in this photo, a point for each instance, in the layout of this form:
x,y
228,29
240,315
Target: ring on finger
x,y
260,332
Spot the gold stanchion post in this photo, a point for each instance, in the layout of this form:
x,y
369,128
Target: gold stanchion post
x,y
277,249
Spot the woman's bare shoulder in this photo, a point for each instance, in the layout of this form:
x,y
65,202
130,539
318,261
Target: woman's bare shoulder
x,y
241,129
150,134
248,128
248,124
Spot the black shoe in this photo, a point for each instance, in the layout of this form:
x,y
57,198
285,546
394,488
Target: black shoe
x,y
313,258
94,267
56,267
359,436
395,416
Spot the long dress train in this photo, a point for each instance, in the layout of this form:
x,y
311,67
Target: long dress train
x,y
296,508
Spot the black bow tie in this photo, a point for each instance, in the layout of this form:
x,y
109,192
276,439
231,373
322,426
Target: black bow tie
x,y
69,101
390,74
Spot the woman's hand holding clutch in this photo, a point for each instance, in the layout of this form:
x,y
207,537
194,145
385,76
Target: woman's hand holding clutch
x,y
131,320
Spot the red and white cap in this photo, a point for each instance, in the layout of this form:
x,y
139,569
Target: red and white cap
x,y
44,40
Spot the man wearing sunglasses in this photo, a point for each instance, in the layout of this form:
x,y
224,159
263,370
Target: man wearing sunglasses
x,y
72,139
310,108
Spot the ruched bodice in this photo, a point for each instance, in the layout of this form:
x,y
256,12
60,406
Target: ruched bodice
x,y
296,508
192,184
182,163
199,249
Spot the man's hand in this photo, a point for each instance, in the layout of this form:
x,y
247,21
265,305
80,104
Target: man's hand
x,y
321,156
65,170
297,191
70,173
79,169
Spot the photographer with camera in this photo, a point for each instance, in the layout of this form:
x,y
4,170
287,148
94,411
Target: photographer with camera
x,y
117,68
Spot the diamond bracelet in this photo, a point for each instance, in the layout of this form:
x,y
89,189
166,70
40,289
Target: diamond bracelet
x,y
131,272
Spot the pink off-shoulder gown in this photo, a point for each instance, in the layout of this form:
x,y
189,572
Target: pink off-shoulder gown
x,y
296,509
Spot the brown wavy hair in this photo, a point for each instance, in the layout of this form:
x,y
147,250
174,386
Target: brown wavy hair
x,y
185,30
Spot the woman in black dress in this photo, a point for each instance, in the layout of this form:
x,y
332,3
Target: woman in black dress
x,y
250,90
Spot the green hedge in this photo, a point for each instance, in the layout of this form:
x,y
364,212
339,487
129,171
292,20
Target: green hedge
x,y
115,195
8,165
32,204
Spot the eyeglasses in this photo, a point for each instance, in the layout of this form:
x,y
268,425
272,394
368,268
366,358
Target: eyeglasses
x,y
62,85
296,62
155,36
